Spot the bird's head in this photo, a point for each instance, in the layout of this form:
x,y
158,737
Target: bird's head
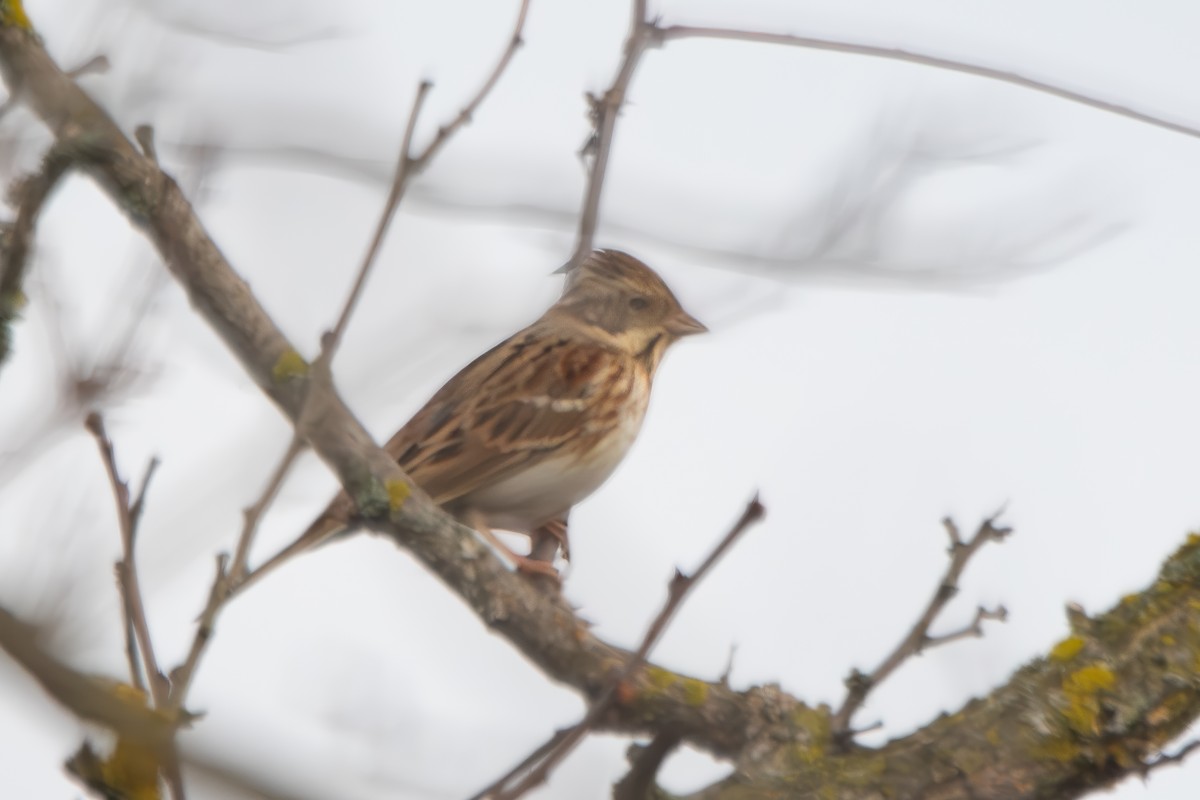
x,y
617,293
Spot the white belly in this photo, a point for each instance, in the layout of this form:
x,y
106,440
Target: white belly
x,y
549,489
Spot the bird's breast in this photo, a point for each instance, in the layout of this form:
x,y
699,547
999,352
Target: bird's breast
x,y
557,480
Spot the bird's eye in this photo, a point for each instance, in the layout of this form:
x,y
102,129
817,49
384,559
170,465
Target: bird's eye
x,y
638,303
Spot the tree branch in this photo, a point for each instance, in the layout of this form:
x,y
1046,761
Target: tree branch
x,y
537,767
663,34
604,111
408,166
228,576
127,576
1090,713
918,638
16,241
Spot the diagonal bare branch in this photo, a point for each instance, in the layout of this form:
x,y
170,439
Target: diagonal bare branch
x,y
663,34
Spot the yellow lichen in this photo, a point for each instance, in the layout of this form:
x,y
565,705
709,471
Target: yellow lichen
x,y
1089,679
397,492
1067,649
695,692
289,365
1083,707
660,678
1057,748
12,15
812,728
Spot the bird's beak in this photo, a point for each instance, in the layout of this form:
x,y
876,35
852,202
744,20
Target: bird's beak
x,y
684,324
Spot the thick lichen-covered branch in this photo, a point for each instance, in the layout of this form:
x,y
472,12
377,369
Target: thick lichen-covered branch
x,y
1099,707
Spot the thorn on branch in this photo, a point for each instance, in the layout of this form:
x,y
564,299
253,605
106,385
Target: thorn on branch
x,y
1078,620
96,65
144,134
728,671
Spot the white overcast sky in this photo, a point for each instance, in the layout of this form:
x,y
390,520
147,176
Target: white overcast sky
x,y
1010,322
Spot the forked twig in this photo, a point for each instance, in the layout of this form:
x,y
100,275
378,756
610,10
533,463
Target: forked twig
x,y
228,575
126,568
536,767
860,685
128,514
409,165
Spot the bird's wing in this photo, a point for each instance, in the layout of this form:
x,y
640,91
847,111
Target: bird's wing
x,y
528,398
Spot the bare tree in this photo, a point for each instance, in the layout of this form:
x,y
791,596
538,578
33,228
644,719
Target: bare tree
x,y
1098,707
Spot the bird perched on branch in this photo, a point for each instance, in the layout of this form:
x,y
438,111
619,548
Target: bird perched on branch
x,y
539,422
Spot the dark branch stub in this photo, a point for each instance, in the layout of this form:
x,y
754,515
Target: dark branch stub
x,y
644,764
859,684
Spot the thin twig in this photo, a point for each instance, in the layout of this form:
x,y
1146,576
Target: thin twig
x,y
974,630
181,676
131,593
409,165
468,111
537,767
1168,759
399,184
533,758
252,515
228,575
604,112
131,650
662,34
860,685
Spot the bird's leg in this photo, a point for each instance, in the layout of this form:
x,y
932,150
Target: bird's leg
x,y
526,564
548,539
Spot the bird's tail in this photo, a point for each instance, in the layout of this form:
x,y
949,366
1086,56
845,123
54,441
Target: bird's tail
x,y
323,529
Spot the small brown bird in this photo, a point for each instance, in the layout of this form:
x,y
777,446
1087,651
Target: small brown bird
x,y
539,422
